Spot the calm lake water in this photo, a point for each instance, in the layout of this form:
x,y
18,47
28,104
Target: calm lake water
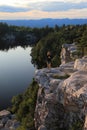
x,y
16,73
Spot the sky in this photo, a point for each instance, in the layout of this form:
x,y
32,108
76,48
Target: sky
x,y
38,9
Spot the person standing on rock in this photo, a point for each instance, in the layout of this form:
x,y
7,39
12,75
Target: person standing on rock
x,y
49,59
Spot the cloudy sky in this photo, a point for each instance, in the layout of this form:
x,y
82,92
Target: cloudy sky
x,y
37,9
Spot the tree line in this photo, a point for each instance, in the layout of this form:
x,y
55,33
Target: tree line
x,y
11,36
15,35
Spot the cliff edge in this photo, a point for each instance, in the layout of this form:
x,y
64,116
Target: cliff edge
x,y
62,97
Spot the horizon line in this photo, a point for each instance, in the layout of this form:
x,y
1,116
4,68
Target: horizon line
x,y
45,18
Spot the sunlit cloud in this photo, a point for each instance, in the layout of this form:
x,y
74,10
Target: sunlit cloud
x,y
41,14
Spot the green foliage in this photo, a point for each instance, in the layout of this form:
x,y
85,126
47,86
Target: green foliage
x,y
55,60
3,29
24,106
77,126
21,128
16,100
82,46
39,52
83,41
61,77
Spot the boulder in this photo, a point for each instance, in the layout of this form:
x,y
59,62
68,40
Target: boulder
x,y
74,90
81,64
8,121
15,125
4,113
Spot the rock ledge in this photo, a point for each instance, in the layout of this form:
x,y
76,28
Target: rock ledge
x,y
62,96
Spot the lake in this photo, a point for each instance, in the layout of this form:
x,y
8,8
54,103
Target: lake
x,y
16,73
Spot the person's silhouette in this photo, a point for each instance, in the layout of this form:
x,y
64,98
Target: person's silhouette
x,y
49,59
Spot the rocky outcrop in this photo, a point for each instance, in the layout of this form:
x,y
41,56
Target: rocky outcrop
x,y
8,121
62,97
81,64
68,53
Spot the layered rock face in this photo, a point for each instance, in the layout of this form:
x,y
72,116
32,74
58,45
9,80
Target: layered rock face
x,y
62,97
68,53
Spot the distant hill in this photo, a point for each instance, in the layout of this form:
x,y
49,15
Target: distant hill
x,y
44,22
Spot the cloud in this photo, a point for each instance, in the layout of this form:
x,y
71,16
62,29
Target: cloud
x,y
62,6
44,6
76,1
57,6
13,9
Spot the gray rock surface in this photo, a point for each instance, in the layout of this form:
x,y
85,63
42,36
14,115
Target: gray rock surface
x,y
68,53
4,113
81,64
8,121
62,99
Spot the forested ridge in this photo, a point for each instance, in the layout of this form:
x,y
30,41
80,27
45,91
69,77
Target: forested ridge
x,y
39,23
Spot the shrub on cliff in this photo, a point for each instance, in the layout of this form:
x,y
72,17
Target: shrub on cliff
x,y
24,106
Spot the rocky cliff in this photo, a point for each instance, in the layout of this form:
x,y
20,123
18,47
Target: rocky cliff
x,y
69,52
62,97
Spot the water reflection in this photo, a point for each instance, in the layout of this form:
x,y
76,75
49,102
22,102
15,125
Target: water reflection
x,y
16,73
